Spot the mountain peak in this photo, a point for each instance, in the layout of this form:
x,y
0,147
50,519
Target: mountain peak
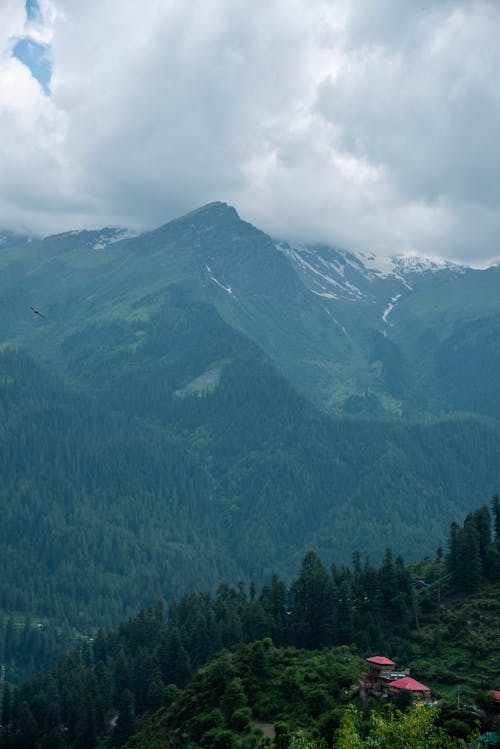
x,y
217,212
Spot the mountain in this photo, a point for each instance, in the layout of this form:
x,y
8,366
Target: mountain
x,y
334,324
438,319
189,407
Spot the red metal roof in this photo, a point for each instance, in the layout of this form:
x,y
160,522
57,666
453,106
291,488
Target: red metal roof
x,y
408,683
380,660
495,694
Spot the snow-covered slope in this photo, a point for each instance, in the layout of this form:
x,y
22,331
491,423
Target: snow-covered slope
x,y
408,264
95,239
367,279
338,273
10,239
332,273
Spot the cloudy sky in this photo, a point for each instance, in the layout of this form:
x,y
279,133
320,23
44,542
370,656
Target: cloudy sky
x,y
368,125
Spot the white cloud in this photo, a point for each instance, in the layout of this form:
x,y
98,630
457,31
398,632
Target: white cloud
x,y
371,125
12,17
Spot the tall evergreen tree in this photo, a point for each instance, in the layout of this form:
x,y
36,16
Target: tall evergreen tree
x,y
495,507
125,722
387,580
482,521
312,604
6,705
470,558
453,556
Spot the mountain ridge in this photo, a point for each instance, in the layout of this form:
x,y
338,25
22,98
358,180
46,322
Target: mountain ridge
x,y
318,312
298,422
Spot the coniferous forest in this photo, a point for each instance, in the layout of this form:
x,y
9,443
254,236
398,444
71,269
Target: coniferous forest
x,y
266,475
231,486
288,655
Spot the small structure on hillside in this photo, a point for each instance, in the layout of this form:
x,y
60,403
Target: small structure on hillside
x,y
418,691
382,680
380,670
495,696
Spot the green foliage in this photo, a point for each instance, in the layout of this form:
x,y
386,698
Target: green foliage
x,y
104,512
414,729
300,741
154,448
472,552
109,688
347,736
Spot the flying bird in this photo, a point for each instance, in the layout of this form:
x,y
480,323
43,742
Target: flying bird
x,y
37,312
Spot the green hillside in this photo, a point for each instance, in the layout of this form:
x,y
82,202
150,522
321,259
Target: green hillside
x,y
329,348
449,332
282,662
144,493
159,431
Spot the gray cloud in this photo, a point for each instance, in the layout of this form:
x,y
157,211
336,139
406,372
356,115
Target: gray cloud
x,y
368,125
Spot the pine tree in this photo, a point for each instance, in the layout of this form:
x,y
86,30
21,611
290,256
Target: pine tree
x,y
86,731
125,722
122,675
387,580
452,557
312,604
6,705
344,619
482,522
470,559
274,601
175,659
495,506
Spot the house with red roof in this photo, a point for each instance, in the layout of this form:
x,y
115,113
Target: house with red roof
x,y
381,662
495,695
382,679
418,691
379,669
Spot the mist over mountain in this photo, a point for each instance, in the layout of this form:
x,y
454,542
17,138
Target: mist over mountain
x,y
211,402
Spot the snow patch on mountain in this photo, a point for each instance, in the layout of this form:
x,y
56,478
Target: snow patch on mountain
x,y
326,271
401,265
110,236
334,273
425,264
342,328
228,289
381,265
390,307
95,239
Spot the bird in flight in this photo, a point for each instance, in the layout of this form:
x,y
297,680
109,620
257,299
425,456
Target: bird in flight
x,y
37,312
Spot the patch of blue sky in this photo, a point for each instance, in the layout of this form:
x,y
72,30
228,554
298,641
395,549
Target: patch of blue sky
x,y
36,57
33,54
32,10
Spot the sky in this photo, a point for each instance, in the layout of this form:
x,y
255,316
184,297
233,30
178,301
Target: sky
x,y
373,126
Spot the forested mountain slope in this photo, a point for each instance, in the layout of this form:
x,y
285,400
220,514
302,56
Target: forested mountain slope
x,y
105,508
97,509
155,439
145,677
